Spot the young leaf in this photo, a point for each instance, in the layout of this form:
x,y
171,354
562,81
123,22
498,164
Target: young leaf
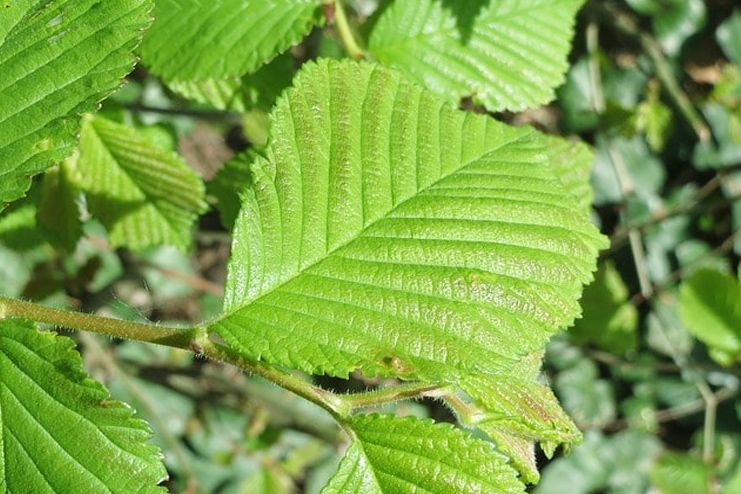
x,y
388,231
59,431
409,455
58,59
143,194
195,40
515,412
710,308
506,55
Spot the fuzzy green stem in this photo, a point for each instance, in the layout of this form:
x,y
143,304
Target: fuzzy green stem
x,y
331,402
117,328
345,31
393,394
197,340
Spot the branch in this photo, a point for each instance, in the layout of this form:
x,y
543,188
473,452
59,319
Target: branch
x,y
625,23
198,341
345,31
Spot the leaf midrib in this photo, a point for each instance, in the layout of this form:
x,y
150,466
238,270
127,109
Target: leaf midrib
x,y
365,228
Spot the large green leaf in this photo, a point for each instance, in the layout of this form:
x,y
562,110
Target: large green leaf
x,y
143,194
219,39
388,231
710,308
506,55
59,431
407,456
58,59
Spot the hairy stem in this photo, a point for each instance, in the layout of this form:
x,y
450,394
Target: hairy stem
x,y
150,333
197,340
393,394
345,31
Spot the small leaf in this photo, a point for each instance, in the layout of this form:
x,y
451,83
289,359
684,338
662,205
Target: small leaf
x,y
58,59
507,55
409,455
515,413
143,194
609,320
192,40
227,185
710,307
588,400
59,431
59,209
680,474
729,37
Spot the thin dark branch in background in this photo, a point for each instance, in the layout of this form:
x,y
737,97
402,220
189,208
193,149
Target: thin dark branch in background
x,y
211,115
669,281
627,24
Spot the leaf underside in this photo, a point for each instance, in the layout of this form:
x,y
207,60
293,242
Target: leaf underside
x,y
145,195
193,40
409,455
59,432
58,59
387,231
506,55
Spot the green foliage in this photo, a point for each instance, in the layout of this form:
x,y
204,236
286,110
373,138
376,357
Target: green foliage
x,y
710,307
480,49
609,320
143,194
681,474
59,431
409,455
408,234
58,60
193,40
618,464
390,241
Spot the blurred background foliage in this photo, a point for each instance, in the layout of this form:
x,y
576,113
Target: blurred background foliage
x,y
650,373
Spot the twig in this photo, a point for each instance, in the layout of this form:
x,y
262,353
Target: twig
x,y
351,45
628,25
634,235
213,115
680,411
725,246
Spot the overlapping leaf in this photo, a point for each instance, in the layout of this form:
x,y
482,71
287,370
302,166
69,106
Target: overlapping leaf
x,y
59,431
143,194
196,40
572,163
58,59
400,456
507,55
388,231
